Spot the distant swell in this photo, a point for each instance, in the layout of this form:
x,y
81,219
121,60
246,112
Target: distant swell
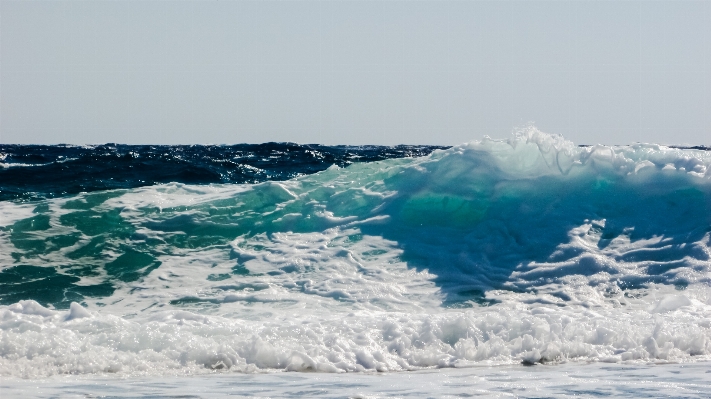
x,y
30,172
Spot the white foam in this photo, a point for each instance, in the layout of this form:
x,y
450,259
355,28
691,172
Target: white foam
x,y
670,303
76,311
302,338
491,253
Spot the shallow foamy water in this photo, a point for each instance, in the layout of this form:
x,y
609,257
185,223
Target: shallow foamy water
x,y
691,380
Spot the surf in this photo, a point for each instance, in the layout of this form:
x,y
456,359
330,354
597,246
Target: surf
x,y
529,249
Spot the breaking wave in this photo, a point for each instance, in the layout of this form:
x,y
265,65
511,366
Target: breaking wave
x,y
528,250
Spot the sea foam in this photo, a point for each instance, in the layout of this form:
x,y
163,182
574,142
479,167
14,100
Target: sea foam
x,y
527,250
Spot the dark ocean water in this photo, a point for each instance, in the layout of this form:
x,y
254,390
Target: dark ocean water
x,y
32,172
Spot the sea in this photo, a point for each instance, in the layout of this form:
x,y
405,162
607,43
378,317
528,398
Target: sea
x,y
525,267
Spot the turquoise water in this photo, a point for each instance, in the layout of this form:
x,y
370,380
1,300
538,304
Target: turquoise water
x,y
495,253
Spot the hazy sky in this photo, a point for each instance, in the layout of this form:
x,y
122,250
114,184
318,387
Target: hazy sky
x,y
353,72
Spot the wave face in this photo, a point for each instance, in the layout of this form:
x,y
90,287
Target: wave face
x,y
32,172
494,252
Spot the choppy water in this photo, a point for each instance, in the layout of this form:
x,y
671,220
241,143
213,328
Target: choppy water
x,y
497,252
32,172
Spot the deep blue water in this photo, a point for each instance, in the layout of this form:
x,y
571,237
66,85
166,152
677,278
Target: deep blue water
x,y
32,172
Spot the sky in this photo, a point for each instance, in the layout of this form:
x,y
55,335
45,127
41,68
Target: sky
x,y
353,72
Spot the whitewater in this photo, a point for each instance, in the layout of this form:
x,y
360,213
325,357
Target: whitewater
x,y
481,258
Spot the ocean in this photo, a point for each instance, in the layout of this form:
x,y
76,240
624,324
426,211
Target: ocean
x,y
521,267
